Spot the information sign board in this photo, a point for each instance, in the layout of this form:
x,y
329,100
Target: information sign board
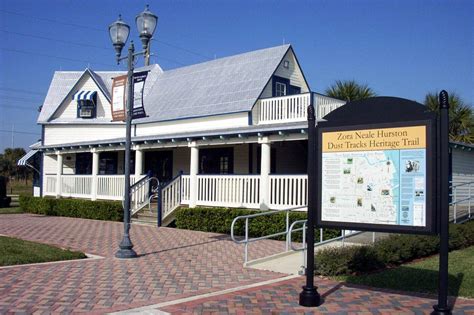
x,y
376,177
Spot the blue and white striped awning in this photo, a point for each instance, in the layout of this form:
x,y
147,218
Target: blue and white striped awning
x,y
24,160
84,95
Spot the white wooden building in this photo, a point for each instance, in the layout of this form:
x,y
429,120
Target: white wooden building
x,y
235,128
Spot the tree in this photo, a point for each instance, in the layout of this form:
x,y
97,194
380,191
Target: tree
x,y
461,116
350,90
8,163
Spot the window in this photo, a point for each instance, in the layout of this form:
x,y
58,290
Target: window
x,y
86,104
83,163
85,109
280,89
216,161
280,86
224,165
108,163
294,90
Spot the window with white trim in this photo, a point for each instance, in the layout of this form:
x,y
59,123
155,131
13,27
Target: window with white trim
x,y
280,89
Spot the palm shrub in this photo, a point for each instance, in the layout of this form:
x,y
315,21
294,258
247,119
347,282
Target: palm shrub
x,y
350,90
461,116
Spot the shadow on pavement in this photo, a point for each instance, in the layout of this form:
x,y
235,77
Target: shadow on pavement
x,y
408,281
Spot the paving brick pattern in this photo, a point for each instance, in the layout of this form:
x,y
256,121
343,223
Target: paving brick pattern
x,y
173,264
282,298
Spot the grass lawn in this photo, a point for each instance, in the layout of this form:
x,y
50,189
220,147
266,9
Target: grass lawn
x,y
14,251
422,276
10,210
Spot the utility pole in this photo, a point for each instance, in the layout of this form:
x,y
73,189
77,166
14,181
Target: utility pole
x,y
13,136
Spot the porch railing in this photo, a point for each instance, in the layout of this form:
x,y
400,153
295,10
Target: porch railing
x,y
76,185
292,108
288,191
284,108
109,187
49,187
171,195
185,190
229,190
325,105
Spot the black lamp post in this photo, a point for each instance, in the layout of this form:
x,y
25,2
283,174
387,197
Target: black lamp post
x,y
119,31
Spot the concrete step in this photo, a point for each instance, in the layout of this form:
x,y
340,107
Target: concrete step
x,y
146,214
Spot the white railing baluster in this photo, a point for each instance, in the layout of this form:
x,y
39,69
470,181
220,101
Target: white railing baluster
x,y
292,108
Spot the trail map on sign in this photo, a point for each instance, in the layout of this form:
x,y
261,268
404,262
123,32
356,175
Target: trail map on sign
x,y
374,176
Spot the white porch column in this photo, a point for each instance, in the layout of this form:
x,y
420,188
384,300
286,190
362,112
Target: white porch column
x,y
193,172
138,163
95,173
265,161
59,172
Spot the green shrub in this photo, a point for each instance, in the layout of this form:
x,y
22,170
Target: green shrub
x,y
37,205
77,208
391,251
347,260
219,220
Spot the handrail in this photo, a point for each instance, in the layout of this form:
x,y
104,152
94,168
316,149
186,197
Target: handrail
x,y
455,201
166,184
248,240
303,228
143,181
321,238
139,181
461,184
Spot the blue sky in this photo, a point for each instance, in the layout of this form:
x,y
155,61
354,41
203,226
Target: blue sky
x,y
399,48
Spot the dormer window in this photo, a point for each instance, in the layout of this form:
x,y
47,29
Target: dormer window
x,y
86,104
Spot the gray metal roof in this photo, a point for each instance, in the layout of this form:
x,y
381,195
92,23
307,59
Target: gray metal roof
x,y
61,85
225,85
220,86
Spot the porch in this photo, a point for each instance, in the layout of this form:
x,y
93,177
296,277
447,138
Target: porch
x,y
258,173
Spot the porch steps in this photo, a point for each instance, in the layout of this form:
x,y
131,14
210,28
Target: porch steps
x,y
144,216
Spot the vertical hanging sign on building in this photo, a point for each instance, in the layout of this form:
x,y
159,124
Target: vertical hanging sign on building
x,y
139,79
118,98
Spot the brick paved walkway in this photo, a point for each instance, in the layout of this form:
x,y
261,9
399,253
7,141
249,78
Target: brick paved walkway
x,y
173,264
282,298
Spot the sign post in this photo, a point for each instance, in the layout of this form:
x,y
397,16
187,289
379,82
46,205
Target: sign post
x,y
442,306
310,296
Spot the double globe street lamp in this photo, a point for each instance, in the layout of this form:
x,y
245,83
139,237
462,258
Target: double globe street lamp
x,y
119,32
